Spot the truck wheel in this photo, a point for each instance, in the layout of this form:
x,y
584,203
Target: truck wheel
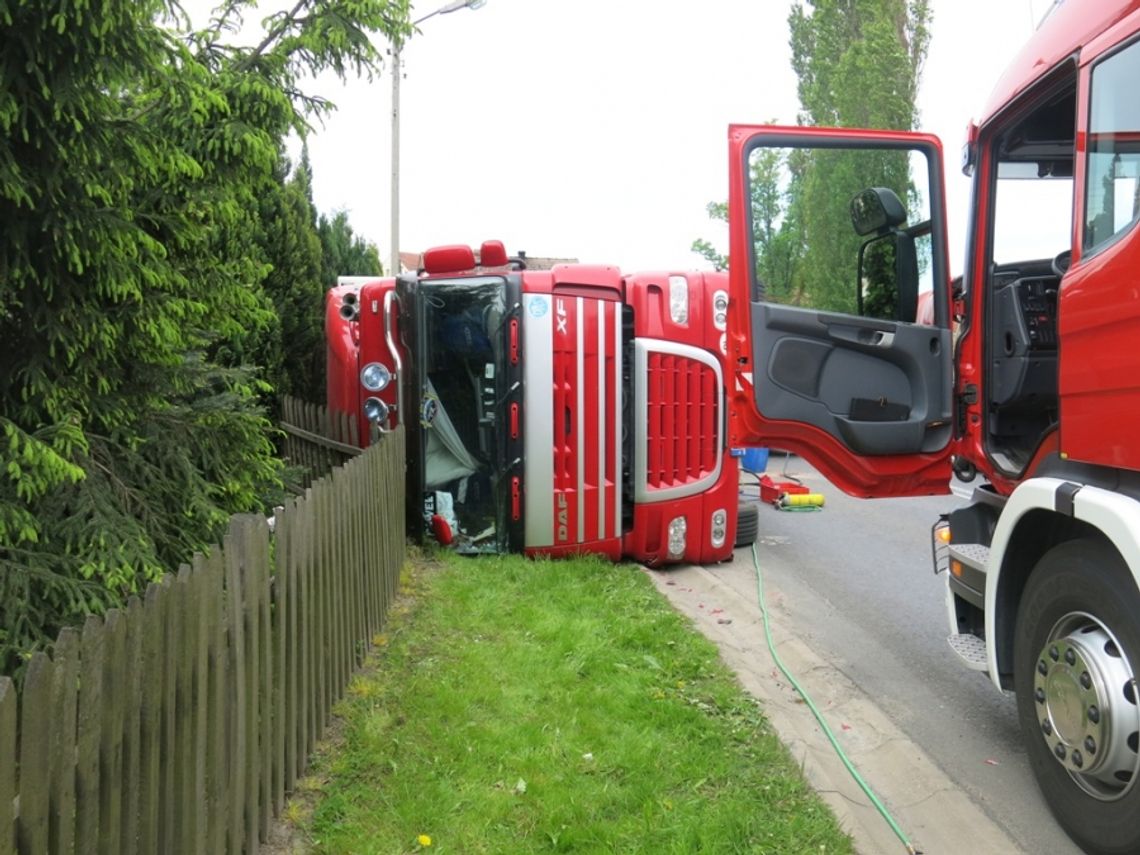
x,y
747,523
1076,648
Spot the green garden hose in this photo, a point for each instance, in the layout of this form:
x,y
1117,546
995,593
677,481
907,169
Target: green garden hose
x,y
886,815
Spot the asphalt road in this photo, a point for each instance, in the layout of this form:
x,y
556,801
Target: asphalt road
x,y
855,581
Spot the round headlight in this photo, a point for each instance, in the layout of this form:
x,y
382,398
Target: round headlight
x,y
677,529
375,410
375,376
720,309
719,532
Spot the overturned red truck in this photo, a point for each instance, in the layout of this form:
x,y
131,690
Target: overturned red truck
x,y
551,412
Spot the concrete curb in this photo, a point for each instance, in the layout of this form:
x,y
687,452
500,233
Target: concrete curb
x,y
934,813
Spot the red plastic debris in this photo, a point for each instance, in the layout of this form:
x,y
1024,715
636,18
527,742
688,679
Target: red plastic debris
x,y
441,530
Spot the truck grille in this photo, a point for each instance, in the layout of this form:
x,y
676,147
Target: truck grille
x,y
682,416
679,393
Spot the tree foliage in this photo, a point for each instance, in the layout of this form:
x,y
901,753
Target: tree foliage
x,y
716,211
294,351
859,63
343,252
135,157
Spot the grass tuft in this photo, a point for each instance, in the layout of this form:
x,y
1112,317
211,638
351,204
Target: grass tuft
x,y
536,706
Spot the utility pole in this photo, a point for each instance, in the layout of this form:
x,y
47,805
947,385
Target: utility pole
x,y
397,73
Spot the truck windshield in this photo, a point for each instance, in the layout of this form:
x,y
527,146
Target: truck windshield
x,y
460,356
1033,215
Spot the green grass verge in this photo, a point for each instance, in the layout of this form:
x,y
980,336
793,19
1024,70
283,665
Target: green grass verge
x,y
522,706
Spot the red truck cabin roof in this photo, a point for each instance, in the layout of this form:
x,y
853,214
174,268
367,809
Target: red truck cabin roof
x,y
1063,33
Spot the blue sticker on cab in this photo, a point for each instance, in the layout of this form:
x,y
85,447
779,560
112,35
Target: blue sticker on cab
x,y
538,307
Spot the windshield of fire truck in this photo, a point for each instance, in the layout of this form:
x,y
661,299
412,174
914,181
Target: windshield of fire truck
x,y
461,357
1033,190
1033,213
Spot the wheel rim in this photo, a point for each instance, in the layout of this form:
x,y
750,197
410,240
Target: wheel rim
x,y
1085,694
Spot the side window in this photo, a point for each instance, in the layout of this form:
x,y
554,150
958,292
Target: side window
x,y
845,230
1112,185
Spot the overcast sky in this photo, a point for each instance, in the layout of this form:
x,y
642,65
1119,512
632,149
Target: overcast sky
x,y
597,129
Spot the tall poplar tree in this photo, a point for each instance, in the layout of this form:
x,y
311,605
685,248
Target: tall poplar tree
x,y
859,63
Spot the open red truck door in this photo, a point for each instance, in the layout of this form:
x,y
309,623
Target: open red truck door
x,y
833,236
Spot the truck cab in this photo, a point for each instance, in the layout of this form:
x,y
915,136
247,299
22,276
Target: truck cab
x,y
551,412
1023,372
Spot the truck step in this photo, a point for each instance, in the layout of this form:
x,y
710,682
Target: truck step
x,y
973,555
970,649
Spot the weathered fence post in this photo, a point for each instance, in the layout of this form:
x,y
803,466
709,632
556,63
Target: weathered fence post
x,y
7,770
181,722
64,703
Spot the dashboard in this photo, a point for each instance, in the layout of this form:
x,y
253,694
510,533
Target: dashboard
x,y
1023,341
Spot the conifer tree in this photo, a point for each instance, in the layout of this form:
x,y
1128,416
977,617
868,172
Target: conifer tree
x,y
133,158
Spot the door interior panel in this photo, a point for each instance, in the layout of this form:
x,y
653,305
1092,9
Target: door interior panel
x,y
880,387
797,365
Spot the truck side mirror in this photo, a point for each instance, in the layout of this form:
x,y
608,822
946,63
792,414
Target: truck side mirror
x,y
906,276
887,282
876,210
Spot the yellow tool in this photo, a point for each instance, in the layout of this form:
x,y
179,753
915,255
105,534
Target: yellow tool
x,y
801,500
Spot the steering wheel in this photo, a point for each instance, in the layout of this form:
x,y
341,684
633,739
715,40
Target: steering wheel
x,y
1061,262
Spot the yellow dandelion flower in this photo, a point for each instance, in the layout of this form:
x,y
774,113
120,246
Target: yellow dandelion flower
x,y
424,840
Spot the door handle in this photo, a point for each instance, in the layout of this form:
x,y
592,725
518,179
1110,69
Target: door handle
x,y
862,335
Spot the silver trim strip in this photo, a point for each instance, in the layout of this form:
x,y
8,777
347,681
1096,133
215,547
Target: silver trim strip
x,y
640,475
580,416
617,417
389,296
602,313
538,420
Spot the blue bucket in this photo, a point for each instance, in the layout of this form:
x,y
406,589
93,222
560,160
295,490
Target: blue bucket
x,y
755,459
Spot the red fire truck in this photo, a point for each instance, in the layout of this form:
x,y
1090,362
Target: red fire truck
x,y
1026,376
551,412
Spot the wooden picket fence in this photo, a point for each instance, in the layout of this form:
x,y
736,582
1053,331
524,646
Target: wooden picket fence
x,y
316,440
179,723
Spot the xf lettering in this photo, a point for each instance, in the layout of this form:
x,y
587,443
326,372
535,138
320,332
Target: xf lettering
x,y
560,311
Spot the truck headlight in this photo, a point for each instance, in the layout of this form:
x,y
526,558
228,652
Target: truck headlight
x,y
375,376
679,299
375,410
677,528
719,527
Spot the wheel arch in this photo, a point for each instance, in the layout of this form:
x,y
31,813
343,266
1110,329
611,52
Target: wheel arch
x,y
1041,514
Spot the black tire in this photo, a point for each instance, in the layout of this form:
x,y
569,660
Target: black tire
x,y
747,524
1084,592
